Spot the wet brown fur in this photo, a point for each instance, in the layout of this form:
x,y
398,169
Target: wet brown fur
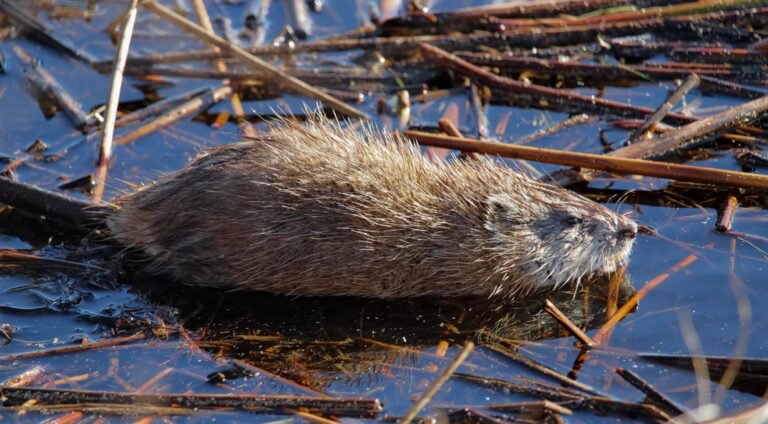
x,y
314,209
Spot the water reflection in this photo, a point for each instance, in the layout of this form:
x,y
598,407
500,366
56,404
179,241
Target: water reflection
x,y
323,333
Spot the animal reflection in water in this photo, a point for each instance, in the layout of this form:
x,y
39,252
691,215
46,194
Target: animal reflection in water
x,y
276,332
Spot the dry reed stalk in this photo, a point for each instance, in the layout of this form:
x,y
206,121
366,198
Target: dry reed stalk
x,y
105,148
190,107
657,397
658,115
221,66
632,303
616,164
343,407
294,84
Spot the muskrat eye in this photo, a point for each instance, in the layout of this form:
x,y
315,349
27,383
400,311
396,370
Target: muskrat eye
x,y
573,220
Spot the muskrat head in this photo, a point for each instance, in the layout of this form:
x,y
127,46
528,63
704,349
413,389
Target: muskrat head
x,y
555,236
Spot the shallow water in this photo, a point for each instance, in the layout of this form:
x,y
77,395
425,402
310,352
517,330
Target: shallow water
x,y
326,343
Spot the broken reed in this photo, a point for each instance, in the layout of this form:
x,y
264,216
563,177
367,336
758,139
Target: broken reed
x,y
344,407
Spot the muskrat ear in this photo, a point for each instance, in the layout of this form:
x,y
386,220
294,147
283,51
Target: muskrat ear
x,y
500,213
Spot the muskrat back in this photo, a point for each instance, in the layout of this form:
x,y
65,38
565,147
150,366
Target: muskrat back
x,y
315,209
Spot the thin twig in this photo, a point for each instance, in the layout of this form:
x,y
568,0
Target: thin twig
x,y
543,369
438,383
544,406
730,88
574,120
449,128
190,107
691,82
104,409
657,397
572,328
510,63
71,349
105,152
632,303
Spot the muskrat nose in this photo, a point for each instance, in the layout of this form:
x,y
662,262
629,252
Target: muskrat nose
x,y
629,230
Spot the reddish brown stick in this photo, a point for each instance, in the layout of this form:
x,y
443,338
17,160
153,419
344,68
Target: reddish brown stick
x,y
447,126
632,303
510,62
726,219
665,11
528,9
599,162
572,328
70,349
554,129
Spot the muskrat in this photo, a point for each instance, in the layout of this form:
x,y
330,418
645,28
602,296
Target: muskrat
x,y
315,210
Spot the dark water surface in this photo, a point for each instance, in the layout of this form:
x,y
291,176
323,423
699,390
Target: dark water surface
x,y
718,301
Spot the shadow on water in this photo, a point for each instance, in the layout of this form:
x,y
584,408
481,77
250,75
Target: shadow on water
x,y
273,330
